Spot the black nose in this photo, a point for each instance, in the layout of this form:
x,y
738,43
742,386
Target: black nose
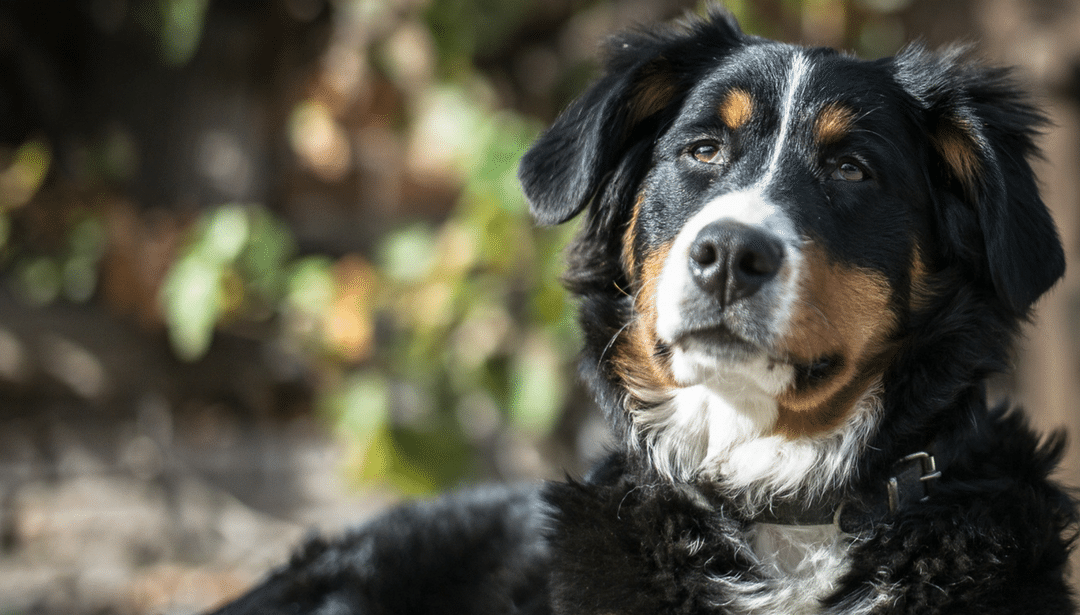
x,y
730,260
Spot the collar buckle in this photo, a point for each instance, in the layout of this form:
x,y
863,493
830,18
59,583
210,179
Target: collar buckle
x,y
912,482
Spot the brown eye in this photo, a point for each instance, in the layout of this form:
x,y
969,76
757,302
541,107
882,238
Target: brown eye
x,y
707,152
849,171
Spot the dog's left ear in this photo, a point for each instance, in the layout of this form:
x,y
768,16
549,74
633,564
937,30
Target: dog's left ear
x,y
646,73
982,129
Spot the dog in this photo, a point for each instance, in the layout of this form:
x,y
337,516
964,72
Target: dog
x,y
796,271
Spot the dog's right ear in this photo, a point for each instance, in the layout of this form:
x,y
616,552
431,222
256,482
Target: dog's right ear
x,y
983,130
645,73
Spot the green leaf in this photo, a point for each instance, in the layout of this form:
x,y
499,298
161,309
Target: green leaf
x,y
39,280
20,181
225,233
80,278
537,388
190,300
266,254
181,29
407,255
360,405
311,285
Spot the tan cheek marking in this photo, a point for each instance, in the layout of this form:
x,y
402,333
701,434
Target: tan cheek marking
x,y
629,259
737,108
634,357
956,145
843,311
833,123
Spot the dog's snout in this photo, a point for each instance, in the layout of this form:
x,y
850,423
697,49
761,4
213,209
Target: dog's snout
x,y
730,260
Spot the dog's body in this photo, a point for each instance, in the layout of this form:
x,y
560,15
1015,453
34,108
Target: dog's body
x,y
795,273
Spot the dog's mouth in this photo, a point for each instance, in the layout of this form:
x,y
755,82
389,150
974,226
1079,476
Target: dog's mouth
x,y
719,341
725,346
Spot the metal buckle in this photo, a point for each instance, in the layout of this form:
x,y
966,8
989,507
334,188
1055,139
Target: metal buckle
x,y
929,472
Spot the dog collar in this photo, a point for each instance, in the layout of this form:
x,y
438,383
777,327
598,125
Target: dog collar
x,y
911,482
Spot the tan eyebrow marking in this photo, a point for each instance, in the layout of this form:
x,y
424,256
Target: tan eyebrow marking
x,y
833,123
737,108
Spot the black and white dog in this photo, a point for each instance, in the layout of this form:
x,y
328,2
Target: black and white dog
x,y
795,272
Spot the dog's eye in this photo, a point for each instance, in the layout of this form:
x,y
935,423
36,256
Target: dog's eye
x,y
706,151
848,170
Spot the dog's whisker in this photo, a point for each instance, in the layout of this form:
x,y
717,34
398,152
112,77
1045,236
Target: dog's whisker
x,y
611,343
620,289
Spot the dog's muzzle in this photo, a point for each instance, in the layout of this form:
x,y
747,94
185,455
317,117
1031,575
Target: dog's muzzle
x,y
728,284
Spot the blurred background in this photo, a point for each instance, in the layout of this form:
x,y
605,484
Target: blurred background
x,y
265,267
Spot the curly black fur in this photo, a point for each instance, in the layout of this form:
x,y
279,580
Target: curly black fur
x,y
994,538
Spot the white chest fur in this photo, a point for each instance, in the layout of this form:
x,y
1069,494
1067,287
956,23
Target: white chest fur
x,y
721,431
801,566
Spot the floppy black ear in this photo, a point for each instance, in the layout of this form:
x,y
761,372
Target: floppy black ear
x,y
645,73
983,130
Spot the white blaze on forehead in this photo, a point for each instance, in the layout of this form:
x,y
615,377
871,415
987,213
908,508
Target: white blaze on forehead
x,y
747,207
796,76
723,404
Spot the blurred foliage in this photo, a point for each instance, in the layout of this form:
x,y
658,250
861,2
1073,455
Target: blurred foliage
x,y
181,29
235,265
475,330
478,332
448,335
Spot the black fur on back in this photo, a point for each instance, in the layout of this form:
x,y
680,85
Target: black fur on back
x,y
480,551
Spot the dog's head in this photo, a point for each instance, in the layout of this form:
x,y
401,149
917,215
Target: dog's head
x,y
764,220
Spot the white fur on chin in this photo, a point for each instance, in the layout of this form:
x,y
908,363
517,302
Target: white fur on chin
x,y
721,430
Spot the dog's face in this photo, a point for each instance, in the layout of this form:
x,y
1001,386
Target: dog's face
x,y
766,224
774,239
